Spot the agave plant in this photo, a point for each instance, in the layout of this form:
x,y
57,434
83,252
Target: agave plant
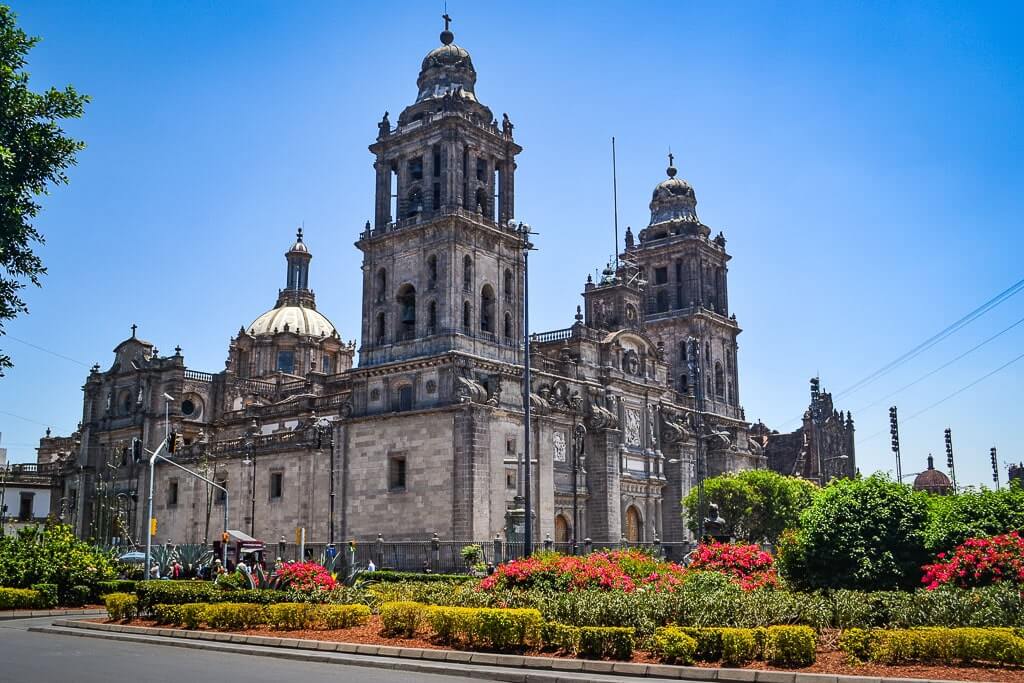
x,y
260,578
163,556
194,556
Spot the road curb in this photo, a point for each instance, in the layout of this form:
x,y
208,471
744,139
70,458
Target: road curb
x,y
8,614
473,664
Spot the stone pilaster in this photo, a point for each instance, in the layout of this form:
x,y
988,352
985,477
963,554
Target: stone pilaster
x,y
603,482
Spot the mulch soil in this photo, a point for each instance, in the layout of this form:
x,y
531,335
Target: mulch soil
x,y
829,660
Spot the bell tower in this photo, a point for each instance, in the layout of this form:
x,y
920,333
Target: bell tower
x,y
442,268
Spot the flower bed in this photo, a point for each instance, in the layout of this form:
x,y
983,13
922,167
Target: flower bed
x,y
622,570
979,562
746,564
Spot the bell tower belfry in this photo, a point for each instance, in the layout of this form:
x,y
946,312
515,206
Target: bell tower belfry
x,y
442,268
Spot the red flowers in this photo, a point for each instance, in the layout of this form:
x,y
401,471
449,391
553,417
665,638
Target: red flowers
x,y
306,576
630,570
978,562
749,566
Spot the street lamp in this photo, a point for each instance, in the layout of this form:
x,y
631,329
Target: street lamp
x,y
524,232
323,428
250,459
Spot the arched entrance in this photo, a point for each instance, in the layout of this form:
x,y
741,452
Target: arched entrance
x,y
561,529
634,525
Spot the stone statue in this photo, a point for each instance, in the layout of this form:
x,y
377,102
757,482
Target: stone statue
x,y
714,525
384,127
506,126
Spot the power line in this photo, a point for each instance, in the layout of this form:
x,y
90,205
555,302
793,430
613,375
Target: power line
x,y
936,338
941,367
946,398
52,353
26,419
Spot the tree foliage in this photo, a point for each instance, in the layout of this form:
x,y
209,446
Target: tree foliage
x,y
34,154
865,534
973,514
757,505
52,554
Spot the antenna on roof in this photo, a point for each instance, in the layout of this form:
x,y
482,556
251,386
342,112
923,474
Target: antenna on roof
x,y
615,205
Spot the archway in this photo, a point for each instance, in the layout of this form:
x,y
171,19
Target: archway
x,y
561,529
634,525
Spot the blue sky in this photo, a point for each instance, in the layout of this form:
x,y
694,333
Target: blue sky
x,y
864,161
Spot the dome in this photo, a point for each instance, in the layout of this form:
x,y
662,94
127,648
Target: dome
x,y
299,245
673,199
298,319
932,480
446,70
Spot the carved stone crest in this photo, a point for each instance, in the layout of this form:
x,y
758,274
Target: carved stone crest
x,y
558,446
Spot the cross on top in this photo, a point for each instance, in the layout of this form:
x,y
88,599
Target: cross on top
x,y
671,157
134,327
447,20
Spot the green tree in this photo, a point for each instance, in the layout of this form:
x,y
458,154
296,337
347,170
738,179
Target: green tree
x,y
865,534
34,153
973,513
757,505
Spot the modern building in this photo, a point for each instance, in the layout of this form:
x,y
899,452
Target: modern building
x,y
426,433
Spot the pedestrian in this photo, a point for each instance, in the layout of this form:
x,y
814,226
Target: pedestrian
x,y
176,570
154,571
371,567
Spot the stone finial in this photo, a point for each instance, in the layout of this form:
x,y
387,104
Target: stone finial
x,y
177,350
579,315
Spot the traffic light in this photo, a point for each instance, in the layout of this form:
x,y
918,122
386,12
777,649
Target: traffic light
x,y
224,537
137,449
152,526
352,546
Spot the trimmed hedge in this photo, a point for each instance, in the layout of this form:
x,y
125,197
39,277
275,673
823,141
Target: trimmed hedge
x,y
291,616
492,628
388,576
118,586
47,595
239,615
75,596
779,645
153,593
401,618
121,606
934,645
607,642
19,598
342,616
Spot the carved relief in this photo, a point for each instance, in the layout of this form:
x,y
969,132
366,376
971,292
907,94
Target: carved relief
x,y
558,446
632,427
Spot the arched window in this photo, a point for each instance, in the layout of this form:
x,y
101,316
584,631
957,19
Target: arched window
x,y
431,271
634,525
719,381
509,286
732,396
382,285
415,205
684,384
432,318
728,360
661,301
682,351
710,388
508,326
487,309
561,529
380,328
405,397
467,317
406,311
467,273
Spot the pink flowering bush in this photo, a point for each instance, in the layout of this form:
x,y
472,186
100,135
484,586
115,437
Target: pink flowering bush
x,y
978,562
746,564
621,570
306,577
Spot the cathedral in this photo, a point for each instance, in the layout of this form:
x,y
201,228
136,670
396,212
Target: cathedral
x,y
425,433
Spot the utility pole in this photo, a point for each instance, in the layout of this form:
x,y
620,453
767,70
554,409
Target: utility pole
x,y
894,432
949,457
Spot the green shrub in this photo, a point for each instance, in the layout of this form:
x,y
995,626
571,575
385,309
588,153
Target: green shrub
x,y
449,624
709,643
174,593
121,606
342,616
76,596
52,554
118,586
673,645
612,642
935,645
790,645
560,637
387,576
291,616
47,595
224,616
505,629
19,598
738,646
166,614
192,615
401,618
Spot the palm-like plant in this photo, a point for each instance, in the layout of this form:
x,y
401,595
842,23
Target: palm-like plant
x,y
163,556
193,556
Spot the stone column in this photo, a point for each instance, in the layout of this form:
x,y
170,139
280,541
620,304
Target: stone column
x,y
604,484
470,473
382,213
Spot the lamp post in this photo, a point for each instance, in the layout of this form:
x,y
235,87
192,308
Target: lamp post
x,y
524,232
578,434
323,429
250,459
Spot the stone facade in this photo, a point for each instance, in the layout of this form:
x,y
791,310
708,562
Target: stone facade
x,y
426,434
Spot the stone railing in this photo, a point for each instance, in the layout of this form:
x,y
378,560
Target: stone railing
x,y
199,376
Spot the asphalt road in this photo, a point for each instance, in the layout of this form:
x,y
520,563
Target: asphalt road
x,y
44,658
31,657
